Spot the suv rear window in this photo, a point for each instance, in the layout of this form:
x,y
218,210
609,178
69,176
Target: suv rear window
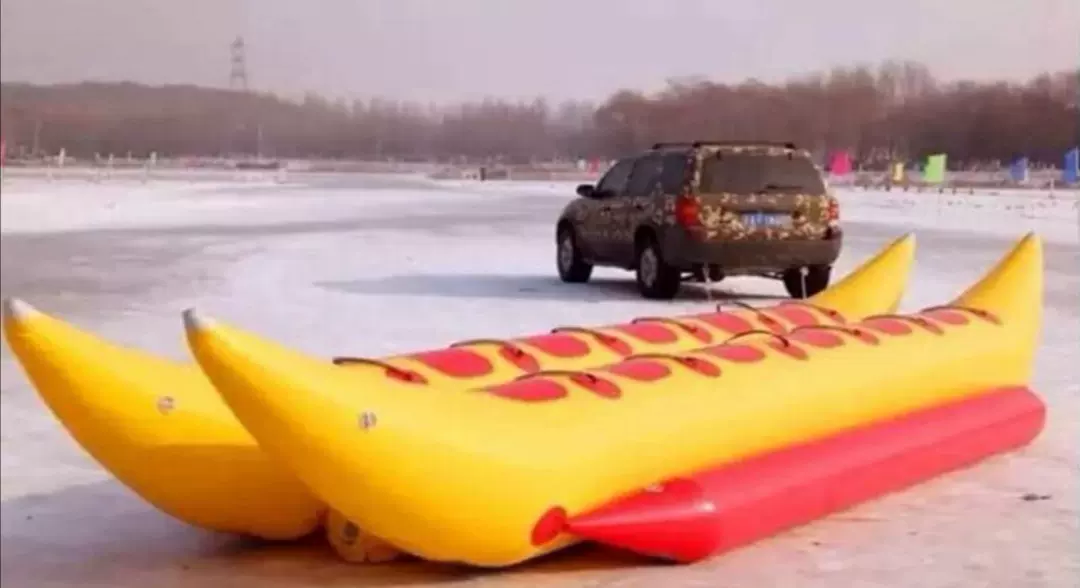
x,y
749,173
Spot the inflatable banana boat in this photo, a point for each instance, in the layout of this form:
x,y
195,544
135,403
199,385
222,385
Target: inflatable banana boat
x,y
497,476
162,430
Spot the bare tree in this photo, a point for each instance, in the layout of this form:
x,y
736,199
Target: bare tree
x,y
897,109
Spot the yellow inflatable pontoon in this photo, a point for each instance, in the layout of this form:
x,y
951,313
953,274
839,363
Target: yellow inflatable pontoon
x,y
490,478
162,430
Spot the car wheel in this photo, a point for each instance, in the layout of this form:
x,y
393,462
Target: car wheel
x,y
656,279
572,266
804,282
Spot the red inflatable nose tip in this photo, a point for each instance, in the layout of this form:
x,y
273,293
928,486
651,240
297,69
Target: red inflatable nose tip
x,y
549,525
674,520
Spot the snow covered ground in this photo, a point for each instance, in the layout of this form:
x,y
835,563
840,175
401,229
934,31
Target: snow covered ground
x,y
371,265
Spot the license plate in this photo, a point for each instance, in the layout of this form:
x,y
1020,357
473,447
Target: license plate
x,y
765,220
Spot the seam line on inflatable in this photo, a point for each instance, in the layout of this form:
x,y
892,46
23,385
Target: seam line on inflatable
x,y
693,330
762,316
508,350
610,341
694,364
832,314
772,334
920,321
977,312
392,371
860,334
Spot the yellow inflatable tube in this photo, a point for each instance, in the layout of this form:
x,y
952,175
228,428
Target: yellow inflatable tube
x,y
487,478
162,430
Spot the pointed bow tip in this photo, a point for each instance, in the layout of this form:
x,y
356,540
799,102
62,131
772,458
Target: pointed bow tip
x,y
1013,287
907,240
15,309
875,285
195,322
1030,239
904,244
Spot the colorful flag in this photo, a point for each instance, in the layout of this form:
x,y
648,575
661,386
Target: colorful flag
x,y
934,171
897,172
1071,172
1018,171
840,163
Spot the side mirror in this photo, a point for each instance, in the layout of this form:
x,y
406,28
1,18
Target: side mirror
x,y
586,191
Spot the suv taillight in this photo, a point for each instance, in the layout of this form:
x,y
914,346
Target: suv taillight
x,y
832,213
687,211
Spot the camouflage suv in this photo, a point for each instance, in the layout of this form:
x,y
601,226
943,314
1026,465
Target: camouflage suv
x,y
705,210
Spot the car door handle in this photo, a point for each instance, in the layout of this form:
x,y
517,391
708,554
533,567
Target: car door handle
x,y
605,209
639,207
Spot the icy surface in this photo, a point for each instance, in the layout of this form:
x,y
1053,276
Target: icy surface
x,y
373,265
1054,215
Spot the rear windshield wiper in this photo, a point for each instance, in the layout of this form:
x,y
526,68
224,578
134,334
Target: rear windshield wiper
x,y
778,187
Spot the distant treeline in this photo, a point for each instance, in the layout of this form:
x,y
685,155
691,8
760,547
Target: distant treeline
x,y
896,110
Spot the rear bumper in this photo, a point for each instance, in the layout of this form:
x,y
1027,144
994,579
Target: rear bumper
x,y
735,257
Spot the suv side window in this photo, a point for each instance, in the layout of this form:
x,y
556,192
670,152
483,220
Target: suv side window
x,y
614,181
646,175
673,177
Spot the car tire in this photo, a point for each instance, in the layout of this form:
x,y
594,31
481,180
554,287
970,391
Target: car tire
x,y
801,286
715,273
572,266
656,279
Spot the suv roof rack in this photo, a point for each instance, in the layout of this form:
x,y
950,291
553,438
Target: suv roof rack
x,y
693,144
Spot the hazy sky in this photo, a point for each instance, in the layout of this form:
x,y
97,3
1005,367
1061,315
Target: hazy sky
x,y
444,50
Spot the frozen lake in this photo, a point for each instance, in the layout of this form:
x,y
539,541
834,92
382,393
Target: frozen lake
x,y
372,265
